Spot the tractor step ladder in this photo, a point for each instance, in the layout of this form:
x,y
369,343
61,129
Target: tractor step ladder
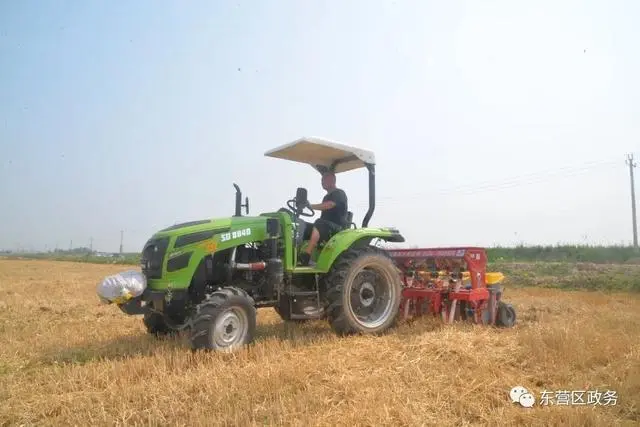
x,y
315,293
303,293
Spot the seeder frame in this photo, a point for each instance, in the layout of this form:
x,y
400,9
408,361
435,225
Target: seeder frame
x,y
433,284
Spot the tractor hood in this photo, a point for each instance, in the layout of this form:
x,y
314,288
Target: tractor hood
x,y
195,226
219,225
173,247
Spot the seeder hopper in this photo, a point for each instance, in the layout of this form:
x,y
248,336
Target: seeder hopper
x,y
451,283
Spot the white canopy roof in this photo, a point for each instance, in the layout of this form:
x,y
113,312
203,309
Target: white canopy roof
x,y
321,153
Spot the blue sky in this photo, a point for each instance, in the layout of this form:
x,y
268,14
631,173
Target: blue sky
x,y
492,122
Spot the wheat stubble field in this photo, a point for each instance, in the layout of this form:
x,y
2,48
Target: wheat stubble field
x,y
67,360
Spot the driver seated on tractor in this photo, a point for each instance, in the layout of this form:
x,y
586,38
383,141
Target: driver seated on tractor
x,y
333,218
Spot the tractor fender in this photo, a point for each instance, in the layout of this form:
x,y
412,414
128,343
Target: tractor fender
x,y
346,239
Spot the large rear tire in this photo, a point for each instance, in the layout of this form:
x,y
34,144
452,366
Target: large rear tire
x,y
363,291
225,320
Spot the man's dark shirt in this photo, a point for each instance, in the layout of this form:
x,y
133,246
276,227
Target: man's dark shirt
x,y
337,214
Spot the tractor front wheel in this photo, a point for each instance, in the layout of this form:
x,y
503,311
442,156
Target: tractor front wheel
x,y
155,324
225,320
168,323
363,292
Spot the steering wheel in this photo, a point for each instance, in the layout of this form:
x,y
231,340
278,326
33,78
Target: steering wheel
x,y
291,204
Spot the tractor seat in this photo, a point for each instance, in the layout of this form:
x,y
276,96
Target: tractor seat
x,y
348,223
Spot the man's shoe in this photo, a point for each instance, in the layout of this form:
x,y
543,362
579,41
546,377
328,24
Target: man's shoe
x,y
304,259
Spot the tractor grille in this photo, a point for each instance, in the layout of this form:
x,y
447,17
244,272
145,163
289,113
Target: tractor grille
x,y
153,256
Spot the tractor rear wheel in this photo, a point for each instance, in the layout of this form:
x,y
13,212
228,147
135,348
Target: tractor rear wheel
x,y
225,320
363,292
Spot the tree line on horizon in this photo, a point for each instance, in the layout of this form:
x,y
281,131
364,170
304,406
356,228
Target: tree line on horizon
x,y
549,253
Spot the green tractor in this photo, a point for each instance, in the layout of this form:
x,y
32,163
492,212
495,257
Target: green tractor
x,y
210,276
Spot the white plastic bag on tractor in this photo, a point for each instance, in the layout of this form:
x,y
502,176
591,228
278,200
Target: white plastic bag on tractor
x,y
120,288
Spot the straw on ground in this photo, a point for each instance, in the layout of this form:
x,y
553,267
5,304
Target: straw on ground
x,y
67,360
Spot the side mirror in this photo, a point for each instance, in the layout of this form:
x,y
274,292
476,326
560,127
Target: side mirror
x,y
301,198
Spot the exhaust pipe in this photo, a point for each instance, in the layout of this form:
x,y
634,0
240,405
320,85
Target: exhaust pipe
x,y
252,266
